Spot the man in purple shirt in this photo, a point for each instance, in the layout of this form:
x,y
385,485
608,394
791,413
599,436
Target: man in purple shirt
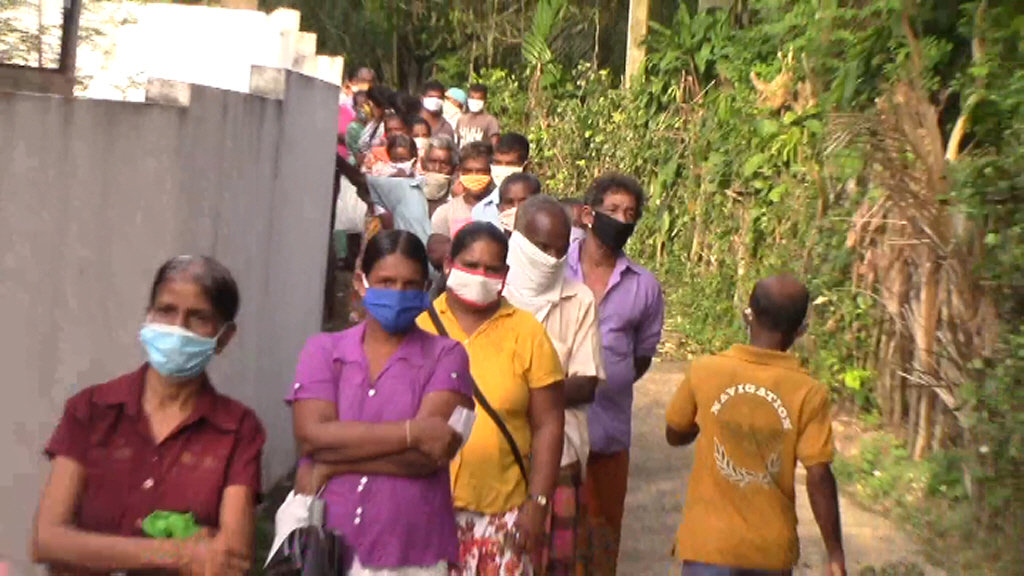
x,y
631,312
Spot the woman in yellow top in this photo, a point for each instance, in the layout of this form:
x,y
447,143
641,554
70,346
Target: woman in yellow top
x,y
500,506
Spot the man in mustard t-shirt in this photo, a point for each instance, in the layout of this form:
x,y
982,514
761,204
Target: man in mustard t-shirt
x,y
754,412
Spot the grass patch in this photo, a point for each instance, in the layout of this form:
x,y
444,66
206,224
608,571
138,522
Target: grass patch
x,y
929,498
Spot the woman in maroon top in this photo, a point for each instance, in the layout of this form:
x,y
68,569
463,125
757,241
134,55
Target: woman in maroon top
x,y
157,438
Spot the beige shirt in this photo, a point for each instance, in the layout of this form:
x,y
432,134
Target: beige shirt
x,y
572,326
450,217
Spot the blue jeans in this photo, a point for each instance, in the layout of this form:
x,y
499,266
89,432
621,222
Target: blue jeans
x,y
691,568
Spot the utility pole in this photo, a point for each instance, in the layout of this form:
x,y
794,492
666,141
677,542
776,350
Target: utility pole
x,y
639,14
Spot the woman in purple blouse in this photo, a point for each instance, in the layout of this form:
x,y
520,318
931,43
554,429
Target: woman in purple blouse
x,y
371,407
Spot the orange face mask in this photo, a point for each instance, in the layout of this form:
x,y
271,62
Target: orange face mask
x,y
475,182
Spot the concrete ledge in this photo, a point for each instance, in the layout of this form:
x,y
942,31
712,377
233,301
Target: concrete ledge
x,y
330,68
286,18
35,80
268,82
169,92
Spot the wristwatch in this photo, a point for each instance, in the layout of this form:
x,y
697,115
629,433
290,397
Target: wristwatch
x,y
541,499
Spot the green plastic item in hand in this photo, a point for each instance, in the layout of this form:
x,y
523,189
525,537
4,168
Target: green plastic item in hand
x,y
164,524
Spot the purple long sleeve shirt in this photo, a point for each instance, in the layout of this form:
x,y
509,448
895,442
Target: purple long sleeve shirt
x,y
390,521
631,315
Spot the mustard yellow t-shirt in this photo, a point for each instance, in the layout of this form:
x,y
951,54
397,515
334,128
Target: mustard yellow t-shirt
x,y
758,412
508,355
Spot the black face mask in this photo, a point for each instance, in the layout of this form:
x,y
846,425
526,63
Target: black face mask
x,y
611,232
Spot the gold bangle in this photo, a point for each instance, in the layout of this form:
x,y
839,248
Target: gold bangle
x,y
408,434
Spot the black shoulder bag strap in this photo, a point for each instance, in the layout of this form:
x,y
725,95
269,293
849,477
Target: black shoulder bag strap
x,y
481,401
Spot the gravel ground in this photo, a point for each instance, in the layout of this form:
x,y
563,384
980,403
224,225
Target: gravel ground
x,y
657,485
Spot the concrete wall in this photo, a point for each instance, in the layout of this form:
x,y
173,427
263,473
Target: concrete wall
x,y
95,195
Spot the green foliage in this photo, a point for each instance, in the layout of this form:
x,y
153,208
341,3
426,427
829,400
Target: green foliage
x,y
929,496
739,189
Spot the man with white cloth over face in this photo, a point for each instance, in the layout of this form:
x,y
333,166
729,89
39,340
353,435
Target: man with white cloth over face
x,y
536,283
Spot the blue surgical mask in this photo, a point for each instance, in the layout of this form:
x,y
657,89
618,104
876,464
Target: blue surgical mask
x,y
395,310
175,352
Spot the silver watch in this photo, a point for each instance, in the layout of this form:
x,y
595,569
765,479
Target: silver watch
x,y
541,499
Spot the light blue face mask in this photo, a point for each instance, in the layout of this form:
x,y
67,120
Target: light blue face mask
x,y
176,352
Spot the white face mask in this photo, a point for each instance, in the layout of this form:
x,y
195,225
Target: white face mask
x,y
432,104
475,105
398,169
475,289
421,146
535,278
499,173
451,112
507,219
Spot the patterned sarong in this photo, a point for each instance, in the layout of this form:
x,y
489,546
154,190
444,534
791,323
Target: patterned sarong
x,y
562,551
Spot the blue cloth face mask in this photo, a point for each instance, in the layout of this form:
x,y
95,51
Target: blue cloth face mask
x,y
175,352
395,310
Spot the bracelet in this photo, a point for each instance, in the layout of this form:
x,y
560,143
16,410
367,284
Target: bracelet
x,y
408,434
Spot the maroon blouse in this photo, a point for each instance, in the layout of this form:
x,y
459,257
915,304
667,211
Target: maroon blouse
x,y
128,475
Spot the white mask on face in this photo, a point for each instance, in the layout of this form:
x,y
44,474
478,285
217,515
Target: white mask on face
x,y
477,290
507,219
398,169
499,173
475,105
421,146
535,278
432,104
451,112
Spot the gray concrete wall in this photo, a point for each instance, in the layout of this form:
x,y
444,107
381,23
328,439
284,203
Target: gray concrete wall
x,y
95,195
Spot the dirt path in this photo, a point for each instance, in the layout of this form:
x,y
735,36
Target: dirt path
x,y
657,483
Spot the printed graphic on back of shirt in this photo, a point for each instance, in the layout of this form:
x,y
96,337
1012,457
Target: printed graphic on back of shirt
x,y
752,425
471,134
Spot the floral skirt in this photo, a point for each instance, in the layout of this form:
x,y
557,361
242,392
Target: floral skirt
x,y
439,569
485,545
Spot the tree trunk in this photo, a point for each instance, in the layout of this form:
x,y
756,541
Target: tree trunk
x,y
914,409
940,432
926,327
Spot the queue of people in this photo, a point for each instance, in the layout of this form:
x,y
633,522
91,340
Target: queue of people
x,y
482,295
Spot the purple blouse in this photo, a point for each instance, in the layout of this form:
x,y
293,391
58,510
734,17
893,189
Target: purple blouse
x,y
390,521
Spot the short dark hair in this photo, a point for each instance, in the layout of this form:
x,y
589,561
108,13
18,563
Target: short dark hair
x,y
401,141
519,178
782,315
474,232
611,182
513,142
408,105
393,116
418,120
381,96
433,86
388,242
212,277
541,204
478,88
475,150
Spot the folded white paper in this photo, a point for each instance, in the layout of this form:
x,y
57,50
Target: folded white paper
x,y
462,422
